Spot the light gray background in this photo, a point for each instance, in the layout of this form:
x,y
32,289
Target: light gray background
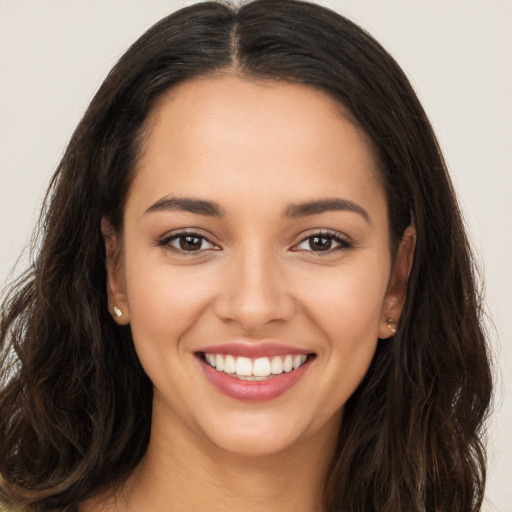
x,y
457,53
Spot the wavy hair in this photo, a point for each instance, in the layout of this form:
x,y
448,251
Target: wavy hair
x,y
75,403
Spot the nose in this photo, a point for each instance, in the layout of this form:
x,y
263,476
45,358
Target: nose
x,y
254,292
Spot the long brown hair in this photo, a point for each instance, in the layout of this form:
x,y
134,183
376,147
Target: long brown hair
x,y
75,403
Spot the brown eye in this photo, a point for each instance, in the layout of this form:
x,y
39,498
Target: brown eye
x,y
190,243
320,243
187,242
323,242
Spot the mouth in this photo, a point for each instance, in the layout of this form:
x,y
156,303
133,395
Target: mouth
x,y
254,377
259,369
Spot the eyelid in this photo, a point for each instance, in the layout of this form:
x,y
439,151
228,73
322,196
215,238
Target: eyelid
x,y
343,241
165,241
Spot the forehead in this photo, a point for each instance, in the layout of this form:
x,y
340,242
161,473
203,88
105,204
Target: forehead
x,y
229,135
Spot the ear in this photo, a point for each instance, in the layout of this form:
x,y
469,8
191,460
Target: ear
x,y
117,303
396,293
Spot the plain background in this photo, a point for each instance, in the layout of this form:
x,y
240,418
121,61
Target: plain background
x,y
457,53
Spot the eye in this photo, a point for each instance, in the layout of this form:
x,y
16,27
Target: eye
x,y
187,242
322,242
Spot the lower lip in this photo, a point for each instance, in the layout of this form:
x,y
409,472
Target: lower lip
x,y
254,390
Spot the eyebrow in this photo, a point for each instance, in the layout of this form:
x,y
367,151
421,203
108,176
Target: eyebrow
x,y
293,211
325,205
185,204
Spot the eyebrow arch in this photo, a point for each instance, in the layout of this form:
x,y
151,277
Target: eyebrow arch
x,y
186,204
325,205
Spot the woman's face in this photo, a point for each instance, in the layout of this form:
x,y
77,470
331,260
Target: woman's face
x,y
255,240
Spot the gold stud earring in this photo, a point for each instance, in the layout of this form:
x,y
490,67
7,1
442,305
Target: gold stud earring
x,y
391,326
116,312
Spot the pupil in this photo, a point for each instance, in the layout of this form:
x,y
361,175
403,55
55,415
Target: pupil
x,y
320,243
190,243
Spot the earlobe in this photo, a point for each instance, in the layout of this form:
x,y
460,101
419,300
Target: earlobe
x,y
397,288
118,305
119,314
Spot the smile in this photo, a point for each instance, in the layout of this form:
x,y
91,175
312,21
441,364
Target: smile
x,y
254,373
262,368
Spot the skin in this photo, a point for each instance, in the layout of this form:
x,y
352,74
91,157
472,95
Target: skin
x,y
253,148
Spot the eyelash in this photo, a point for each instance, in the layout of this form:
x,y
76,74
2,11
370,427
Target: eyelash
x,y
166,241
342,243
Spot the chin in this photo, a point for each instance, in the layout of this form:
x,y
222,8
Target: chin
x,y
253,444
266,436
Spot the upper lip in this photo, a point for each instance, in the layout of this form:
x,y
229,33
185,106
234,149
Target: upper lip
x,y
253,349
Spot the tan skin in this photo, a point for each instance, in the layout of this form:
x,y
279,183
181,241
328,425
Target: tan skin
x,y
253,274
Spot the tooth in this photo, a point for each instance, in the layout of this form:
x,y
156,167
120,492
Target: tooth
x,y
229,364
288,363
298,361
244,366
277,365
219,362
257,369
261,367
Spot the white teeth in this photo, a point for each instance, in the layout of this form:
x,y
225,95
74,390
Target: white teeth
x,y
243,366
257,369
261,367
229,364
277,365
298,361
288,364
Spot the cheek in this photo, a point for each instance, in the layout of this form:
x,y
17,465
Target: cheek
x,y
352,330
347,302
347,309
164,303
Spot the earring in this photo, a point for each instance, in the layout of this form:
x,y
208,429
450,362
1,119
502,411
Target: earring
x,y
116,312
391,325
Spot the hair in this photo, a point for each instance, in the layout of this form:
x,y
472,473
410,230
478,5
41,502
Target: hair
x,y
75,402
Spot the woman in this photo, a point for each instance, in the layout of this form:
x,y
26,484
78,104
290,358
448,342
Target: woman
x,y
254,288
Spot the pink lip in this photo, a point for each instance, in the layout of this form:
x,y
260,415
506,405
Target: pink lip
x,y
253,350
255,390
